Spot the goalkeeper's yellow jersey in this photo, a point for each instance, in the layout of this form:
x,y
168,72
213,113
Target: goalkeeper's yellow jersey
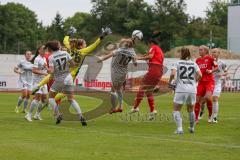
x,y
79,55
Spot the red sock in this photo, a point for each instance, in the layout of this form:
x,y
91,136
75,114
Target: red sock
x,y
197,110
209,106
138,98
150,101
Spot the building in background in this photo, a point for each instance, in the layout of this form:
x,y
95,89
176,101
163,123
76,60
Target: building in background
x,y
234,26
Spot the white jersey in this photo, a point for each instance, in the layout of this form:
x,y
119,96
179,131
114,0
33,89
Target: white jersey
x,y
59,60
40,63
26,76
186,76
121,58
222,67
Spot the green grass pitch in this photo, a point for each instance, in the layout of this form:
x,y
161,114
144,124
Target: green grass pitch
x,y
117,137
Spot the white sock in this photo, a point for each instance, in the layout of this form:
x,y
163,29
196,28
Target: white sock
x,y
34,104
25,104
20,100
53,104
120,97
113,99
39,109
215,109
76,107
178,120
192,119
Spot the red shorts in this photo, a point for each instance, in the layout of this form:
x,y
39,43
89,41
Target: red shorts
x,y
204,87
151,79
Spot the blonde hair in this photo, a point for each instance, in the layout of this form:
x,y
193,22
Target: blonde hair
x,y
127,43
206,48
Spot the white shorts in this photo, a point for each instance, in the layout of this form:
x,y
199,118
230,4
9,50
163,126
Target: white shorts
x,y
42,90
217,90
63,86
118,79
185,98
25,86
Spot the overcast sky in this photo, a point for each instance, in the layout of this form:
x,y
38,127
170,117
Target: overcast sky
x,y
47,9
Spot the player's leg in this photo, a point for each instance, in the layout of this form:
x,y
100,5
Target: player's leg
x,y
34,104
216,95
208,99
199,100
215,109
203,106
138,99
113,97
190,107
119,91
25,103
178,100
21,98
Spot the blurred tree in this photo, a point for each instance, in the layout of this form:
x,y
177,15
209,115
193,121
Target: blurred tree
x,y
18,28
55,31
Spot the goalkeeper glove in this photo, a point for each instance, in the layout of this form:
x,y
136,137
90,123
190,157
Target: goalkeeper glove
x,y
105,31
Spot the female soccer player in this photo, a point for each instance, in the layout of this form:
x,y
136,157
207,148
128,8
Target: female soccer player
x,y
78,54
221,72
207,65
187,74
40,71
24,69
119,69
155,59
59,64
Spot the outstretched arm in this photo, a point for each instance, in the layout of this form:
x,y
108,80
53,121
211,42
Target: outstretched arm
x,y
103,58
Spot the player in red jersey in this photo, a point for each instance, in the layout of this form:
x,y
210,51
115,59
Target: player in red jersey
x,y
207,65
155,59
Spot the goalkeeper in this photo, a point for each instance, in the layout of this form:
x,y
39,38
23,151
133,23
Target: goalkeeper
x,y
78,51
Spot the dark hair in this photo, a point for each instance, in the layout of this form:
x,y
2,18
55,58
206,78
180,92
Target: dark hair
x,y
80,42
155,37
53,45
185,54
36,54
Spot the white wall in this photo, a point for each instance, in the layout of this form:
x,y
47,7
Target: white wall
x,y
234,28
9,80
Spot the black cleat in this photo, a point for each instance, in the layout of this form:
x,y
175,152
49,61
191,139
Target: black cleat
x,y
84,123
35,90
59,119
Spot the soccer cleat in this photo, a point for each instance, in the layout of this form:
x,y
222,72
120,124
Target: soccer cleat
x,y
16,109
214,120
113,110
35,90
134,110
210,120
28,118
37,117
84,123
201,115
191,130
24,111
59,119
179,131
152,115
119,110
